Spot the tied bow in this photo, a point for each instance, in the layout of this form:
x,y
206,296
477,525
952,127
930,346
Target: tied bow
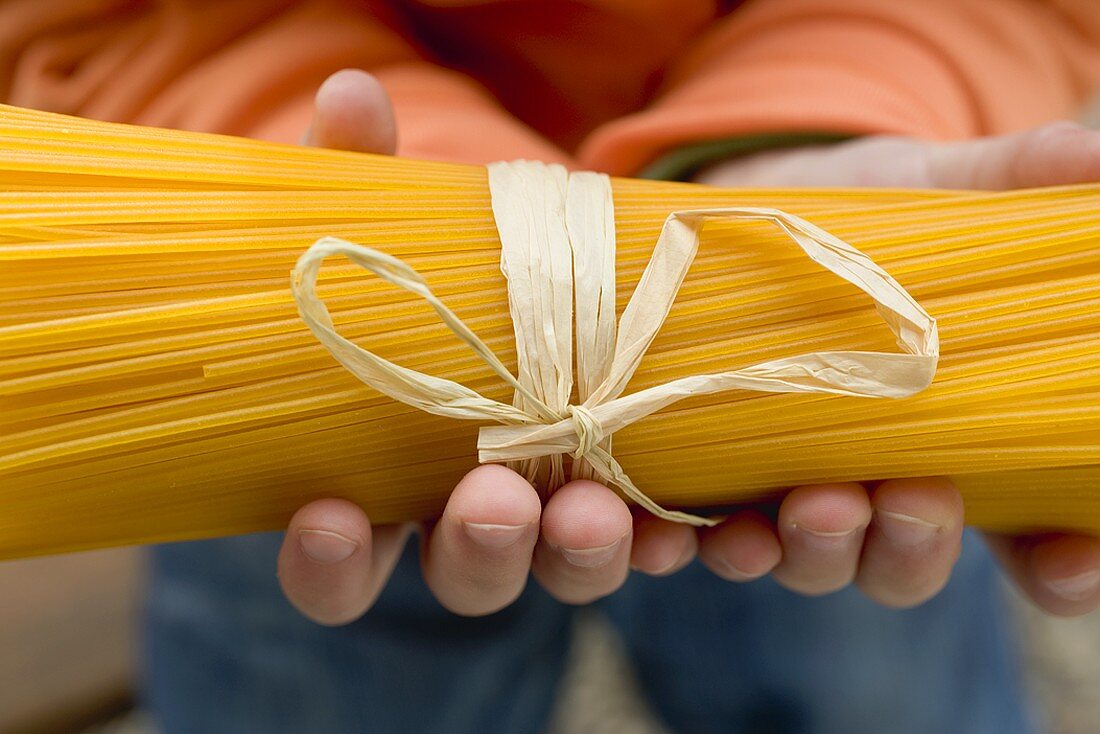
x,y
558,255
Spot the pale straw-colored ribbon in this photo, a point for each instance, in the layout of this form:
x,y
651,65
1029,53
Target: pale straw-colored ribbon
x,y
557,237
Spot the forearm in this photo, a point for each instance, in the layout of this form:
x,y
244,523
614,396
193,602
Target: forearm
x,y
937,70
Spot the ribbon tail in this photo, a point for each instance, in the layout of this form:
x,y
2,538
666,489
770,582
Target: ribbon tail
x,y
612,472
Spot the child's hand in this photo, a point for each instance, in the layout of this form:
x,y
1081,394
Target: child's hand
x,y
494,531
478,556
1061,573
1057,154
898,541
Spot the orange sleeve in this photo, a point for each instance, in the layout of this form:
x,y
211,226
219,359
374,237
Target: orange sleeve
x,y
441,114
243,67
937,69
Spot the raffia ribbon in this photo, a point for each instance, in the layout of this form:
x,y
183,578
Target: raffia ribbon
x,y
557,232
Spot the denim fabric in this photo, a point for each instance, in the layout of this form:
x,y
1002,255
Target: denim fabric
x,y
226,653
714,657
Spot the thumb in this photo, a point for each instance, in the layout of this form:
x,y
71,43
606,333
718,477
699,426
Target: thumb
x,y
352,112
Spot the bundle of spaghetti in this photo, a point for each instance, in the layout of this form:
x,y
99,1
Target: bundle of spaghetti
x,y
157,383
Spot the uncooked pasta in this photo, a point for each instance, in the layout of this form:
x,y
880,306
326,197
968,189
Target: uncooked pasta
x,y
157,382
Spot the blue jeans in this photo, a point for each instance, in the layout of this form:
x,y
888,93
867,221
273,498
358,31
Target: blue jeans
x,y
227,654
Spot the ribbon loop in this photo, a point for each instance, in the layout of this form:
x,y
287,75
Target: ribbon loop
x,y
557,253
431,394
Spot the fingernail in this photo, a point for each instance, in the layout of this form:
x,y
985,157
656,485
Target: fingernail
x,y
905,530
680,560
592,557
821,540
494,536
1076,588
734,573
662,570
326,547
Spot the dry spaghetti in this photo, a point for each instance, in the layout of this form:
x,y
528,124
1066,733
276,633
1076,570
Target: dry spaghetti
x,y
157,383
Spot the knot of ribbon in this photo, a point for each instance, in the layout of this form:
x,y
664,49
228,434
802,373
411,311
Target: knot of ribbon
x,y
557,232
587,427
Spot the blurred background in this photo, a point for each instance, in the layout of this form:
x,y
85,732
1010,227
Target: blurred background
x,y
69,657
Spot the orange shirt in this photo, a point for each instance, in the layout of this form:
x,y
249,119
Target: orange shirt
x,y
606,84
